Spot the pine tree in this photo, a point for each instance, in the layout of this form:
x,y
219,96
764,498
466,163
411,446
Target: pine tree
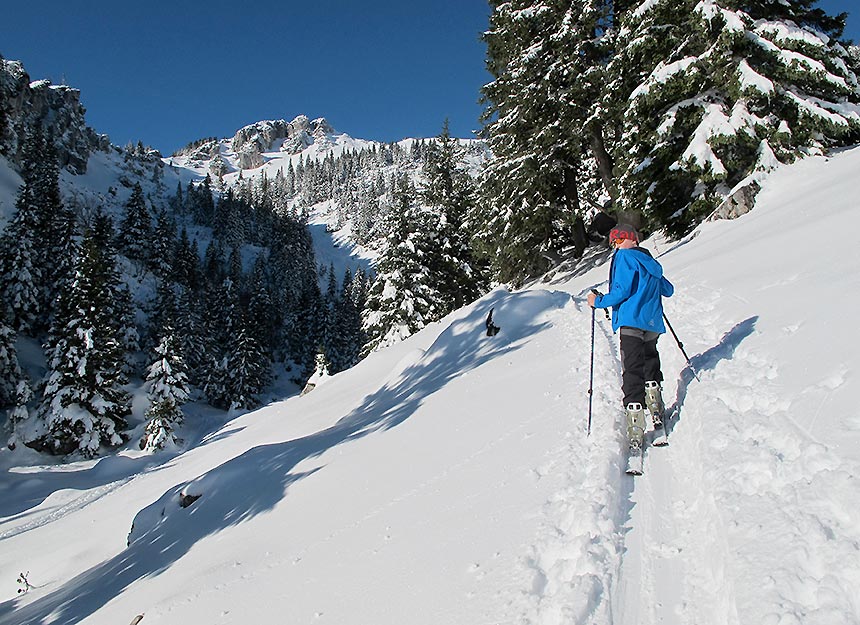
x,y
164,246
714,91
186,264
546,58
84,405
262,320
249,371
57,249
402,300
134,239
450,191
10,370
168,390
347,338
19,272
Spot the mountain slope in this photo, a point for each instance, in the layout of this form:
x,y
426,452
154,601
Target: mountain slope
x,y
448,479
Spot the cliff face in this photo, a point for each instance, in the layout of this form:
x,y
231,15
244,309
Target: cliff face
x,y
250,142
26,105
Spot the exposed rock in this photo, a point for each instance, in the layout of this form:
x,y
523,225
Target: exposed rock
x,y
251,142
740,202
201,150
56,108
249,158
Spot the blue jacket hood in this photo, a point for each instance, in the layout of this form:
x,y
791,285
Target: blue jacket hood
x,y
636,289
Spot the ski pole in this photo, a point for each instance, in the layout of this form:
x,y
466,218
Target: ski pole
x,y
591,374
681,347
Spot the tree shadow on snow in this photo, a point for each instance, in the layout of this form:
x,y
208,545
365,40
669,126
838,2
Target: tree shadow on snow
x,y
724,350
257,480
25,489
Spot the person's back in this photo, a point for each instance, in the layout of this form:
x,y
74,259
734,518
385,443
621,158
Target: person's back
x,y
636,289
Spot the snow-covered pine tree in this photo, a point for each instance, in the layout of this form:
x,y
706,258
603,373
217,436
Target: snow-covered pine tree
x,y
715,90
10,370
249,371
261,317
126,329
546,58
20,276
20,414
164,245
15,389
186,263
84,405
402,300
134,238
450,191
304,326
168,391
57,227
190,328
346,340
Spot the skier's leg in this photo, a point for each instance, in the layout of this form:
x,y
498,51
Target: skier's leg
x,y
633,366
653,378
633,383
651,357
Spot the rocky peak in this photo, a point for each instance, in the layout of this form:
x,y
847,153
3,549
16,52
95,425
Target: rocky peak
x,y
253,140
56,108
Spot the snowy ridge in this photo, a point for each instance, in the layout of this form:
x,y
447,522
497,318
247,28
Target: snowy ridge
x,y
448,479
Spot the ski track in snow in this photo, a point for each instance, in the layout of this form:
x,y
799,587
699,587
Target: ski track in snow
x,y
48,514
575,559
668,547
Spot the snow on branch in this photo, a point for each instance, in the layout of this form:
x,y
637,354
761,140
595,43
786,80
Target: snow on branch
x,y
662,74
751,80
815,107
709,10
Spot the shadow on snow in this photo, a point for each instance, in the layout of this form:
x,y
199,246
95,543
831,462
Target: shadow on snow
x,y
255,481
708,360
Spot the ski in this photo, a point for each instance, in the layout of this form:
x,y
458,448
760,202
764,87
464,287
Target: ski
x,y
635,460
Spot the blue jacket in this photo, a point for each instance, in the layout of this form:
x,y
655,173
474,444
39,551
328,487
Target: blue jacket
x,y
636,284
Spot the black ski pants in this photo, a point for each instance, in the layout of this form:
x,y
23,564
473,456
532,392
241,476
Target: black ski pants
x,y
640,362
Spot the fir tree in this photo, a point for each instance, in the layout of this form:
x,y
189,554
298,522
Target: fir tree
x,y
168,391
402,300
84,405
134,239
10,370
546,58
249,371
456,275
164,246
20,275
57,248
262,320
715,91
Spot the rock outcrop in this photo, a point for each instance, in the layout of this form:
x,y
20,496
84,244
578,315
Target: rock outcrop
x,y
251,142
57,109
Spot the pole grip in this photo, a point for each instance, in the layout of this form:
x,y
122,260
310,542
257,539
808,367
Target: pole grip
x,y
605,310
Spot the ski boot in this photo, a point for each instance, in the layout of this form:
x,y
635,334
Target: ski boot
x,y
635,437
654,401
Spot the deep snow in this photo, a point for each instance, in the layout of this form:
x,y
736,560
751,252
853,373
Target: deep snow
x,y
448,479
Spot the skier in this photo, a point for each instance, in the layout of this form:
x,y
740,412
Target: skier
x,y
636,289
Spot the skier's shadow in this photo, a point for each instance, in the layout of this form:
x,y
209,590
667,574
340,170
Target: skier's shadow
x,y
724,350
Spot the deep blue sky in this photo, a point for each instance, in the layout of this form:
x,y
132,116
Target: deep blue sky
x,y
171,72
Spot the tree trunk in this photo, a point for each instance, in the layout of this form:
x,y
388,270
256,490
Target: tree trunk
x,y
604,160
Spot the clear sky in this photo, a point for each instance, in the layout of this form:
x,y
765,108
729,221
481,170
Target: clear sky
x,y
168,73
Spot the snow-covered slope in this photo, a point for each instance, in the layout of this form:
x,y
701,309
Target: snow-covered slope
x,y
448,479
